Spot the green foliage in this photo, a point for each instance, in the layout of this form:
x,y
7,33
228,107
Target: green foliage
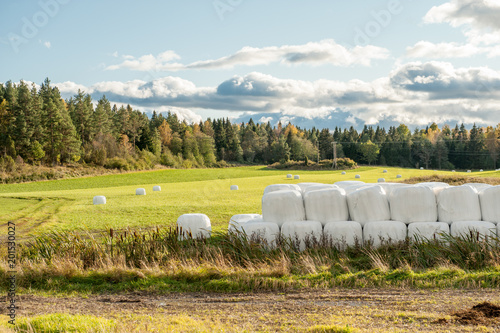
x,y
60,322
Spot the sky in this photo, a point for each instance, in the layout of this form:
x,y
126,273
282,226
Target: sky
x,y
321,63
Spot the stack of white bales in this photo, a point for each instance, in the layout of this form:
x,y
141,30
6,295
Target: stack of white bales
x,y
350,211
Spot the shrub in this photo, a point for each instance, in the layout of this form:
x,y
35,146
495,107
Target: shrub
x,y
117,163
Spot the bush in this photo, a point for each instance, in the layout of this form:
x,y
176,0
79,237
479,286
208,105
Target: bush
x,y
7,164
117,163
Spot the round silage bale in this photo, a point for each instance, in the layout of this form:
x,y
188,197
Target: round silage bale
x,y
343,233
490,207
326,205
140,191
368,204
458,203
472,228
265,233
283,206
413,204
99,200
196,225
236,221
384,231
234,187
427,230
302,233
157,188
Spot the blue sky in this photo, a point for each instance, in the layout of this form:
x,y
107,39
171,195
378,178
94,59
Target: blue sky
x,y
314,63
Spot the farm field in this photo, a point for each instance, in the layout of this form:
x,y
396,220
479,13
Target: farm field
x,y
201,288
67,204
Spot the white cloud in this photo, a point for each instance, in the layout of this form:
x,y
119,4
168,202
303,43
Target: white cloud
x,y
478,14
265,119
415,93
314,53
424,49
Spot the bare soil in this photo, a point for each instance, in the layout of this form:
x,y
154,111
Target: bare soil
x,y
365,310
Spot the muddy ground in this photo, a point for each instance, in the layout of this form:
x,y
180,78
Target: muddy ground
x,y
366,310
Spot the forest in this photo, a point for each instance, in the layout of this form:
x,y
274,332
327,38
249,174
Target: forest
x,y
39,127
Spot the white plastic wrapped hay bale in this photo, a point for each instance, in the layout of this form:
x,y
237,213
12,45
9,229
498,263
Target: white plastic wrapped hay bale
x,y
479,186
343,233
368,204
319,187
236,221
381,180
296,177
490,205
305,186
385,171
469,171
466,228
481,170
384,231
289,175
140,191
156,188
458,203
326,205
347,183
283,206
279,187
263,232
413,204
427,230
342,173
234,187
357,176
437,187
421,168
196,225
99,200
399,176
302,233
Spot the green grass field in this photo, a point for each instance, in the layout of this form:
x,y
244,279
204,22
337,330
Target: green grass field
x,y
67,204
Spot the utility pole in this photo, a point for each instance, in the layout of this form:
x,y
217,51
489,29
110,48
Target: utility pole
x,y
334,145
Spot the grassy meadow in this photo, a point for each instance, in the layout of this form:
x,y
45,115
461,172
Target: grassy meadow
x,y
64,205
140,278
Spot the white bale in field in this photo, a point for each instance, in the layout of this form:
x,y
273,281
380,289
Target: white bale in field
x,y
289,175
389,187
398,176
236,221
379,231
343,233
234,187
385,171
140,191
421,168
469,171
413,204
427,230
458,203
198,225
435,186
157,188
302,232
279,187
368,204
304,186
319,187
326,205
481,170
283,206
265,232
342,173
490,205
296,177
381,180
464,228
357,176
347,183
452,170
99,200
479,186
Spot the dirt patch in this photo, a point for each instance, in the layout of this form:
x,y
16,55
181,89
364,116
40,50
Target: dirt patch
x,y
366,310
479,314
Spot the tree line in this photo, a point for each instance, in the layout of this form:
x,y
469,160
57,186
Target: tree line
x,y
38,126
